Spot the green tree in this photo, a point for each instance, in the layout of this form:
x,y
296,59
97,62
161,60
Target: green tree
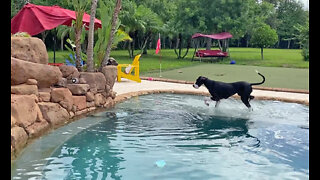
x,y
264,36
79,7
105,11
303,37
140,23
114,28
290,14
130,23
151,23
189,19
256,14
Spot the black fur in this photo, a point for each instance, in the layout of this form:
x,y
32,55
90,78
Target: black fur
x,y
222,90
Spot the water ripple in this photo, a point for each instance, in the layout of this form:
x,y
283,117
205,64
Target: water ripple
x,y
194,141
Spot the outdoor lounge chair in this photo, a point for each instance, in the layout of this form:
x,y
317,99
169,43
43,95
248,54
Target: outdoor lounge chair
x,y
126,70
211,53
214,55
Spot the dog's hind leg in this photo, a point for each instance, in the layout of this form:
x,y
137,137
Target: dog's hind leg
x,y
245,101
217,103
250,98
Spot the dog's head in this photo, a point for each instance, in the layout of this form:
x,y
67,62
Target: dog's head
x,y
199,82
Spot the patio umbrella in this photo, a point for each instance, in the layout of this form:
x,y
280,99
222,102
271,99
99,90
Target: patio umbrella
x,y
35,19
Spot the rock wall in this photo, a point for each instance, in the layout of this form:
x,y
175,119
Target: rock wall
x,y
30,49
44,97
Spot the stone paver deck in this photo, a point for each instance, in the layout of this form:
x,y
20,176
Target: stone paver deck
x,y
127,88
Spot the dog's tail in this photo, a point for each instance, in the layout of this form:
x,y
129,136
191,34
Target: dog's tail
x,y
253,84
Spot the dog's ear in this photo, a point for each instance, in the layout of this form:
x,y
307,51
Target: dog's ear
x,y
203,78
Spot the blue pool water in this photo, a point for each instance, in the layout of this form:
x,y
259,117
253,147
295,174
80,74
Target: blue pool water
x,y
170,136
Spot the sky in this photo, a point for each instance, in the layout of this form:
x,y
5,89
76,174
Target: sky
x,y
305,3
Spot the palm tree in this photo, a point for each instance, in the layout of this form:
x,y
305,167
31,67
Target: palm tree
x,y
90,64
140,22
62,31
104,34
131,24
79,6
113,31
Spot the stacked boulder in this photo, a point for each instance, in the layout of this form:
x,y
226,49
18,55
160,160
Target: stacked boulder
x,y
45,97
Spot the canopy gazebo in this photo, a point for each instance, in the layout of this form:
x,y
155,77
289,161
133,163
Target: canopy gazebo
x,y
221,53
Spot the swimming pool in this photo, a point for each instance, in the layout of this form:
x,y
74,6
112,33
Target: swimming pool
x,y
171,136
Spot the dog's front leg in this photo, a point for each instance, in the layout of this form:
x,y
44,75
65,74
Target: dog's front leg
x,y
215,98
207,100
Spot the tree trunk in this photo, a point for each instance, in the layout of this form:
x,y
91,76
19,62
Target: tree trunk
x,y
78,30
219,43
44,35
78,49
131,44
188,47
61,43
90,62
129,49
144,43
180,45
209,43
176,46
262,53
113,31
289,44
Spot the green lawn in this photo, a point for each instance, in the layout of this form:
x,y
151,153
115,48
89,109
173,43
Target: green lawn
x,y
243,56
291,58
283,68
276,77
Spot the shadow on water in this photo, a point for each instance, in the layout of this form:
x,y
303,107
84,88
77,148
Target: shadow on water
x,y
234,130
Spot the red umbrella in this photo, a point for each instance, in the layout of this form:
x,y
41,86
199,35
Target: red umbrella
x,y
35,19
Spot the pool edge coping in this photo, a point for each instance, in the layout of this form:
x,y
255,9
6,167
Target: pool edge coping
x,y
254,87
126,96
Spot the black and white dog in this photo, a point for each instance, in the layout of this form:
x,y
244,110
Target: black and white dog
x,y
222,90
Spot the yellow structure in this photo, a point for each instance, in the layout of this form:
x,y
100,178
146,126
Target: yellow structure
x,y
128,68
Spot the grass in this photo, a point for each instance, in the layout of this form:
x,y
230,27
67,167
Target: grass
x,y
283,68
276,77
290,58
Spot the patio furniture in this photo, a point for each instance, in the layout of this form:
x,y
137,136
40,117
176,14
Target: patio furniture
x,y
211,54
129,71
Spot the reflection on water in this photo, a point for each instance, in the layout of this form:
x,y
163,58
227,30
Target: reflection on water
x,y
90,154
194,142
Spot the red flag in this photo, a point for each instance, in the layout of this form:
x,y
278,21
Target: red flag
x,y
158,46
